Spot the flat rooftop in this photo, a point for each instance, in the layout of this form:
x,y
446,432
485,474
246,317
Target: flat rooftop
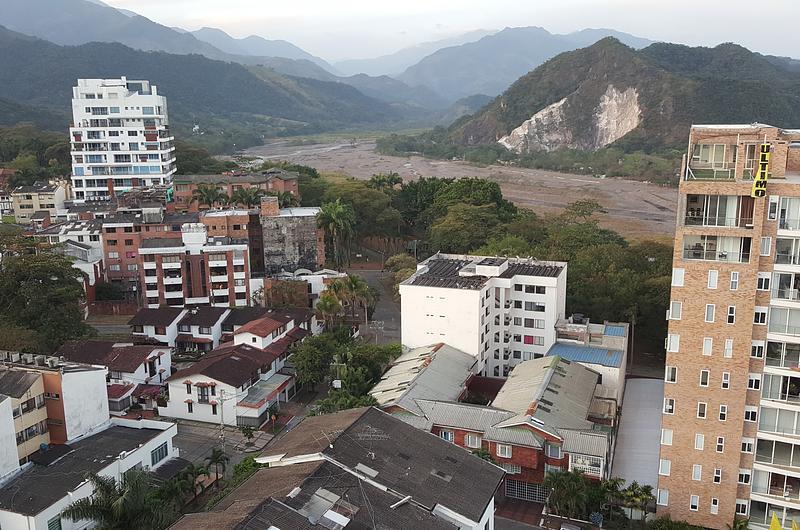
x,y
39,486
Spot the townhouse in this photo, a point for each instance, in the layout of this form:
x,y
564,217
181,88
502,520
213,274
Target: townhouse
x,y
26,201
273,181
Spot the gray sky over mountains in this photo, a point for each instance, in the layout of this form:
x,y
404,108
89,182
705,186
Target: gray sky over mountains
x,y
345,29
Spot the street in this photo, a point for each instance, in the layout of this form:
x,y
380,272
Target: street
x,y
387,310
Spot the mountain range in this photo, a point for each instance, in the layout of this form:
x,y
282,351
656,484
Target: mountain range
x,y
611,94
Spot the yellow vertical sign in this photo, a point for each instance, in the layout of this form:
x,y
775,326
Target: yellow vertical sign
x,y
760,180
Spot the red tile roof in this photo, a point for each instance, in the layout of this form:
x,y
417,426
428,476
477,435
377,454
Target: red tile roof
x,y
261,327
117,358
118,391
186,337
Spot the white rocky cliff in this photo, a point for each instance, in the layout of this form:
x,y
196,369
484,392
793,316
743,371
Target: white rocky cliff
x,y
617,113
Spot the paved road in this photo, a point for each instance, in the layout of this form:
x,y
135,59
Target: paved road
x,y
387,310
197,439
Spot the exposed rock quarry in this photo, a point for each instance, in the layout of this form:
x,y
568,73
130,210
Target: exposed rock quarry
x,y
616,114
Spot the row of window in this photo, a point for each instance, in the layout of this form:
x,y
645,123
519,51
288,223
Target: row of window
x,y
759,315
747,444
662,498
473,441
762,282
750,412
753,379
530,289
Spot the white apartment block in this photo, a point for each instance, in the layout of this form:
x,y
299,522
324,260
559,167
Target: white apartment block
x,y
120,137
501,310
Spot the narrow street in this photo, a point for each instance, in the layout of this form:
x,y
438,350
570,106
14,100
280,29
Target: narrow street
x,y
386,318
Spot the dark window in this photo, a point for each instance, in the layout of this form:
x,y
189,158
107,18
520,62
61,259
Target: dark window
x,y
214,409
189,407
188,388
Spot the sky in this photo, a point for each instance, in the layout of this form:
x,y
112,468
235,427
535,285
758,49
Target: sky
x,y
346,29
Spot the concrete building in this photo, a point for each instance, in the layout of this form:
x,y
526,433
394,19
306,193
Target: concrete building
x,y
238,223
200,329
237,383
159,325
292,239
123,234
729,422
273,181
34,497
26,201
25,389
9,454
502,311
119,138
196,269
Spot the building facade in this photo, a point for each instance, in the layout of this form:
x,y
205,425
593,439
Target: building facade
x,y
195,270
273,181
26,201
729,422
292,239
241,224
119,138
502,311
26,392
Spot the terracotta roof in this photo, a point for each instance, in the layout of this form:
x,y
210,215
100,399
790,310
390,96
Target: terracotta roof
x,y
123,358
231,364
262,327
298,333
187,337
118,391
163,316
148,390
205,316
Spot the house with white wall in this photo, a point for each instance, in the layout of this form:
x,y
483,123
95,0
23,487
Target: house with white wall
x,y
159,324
200,329
503,311
34,498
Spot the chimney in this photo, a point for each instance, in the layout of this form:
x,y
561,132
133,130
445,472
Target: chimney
x,y
269,206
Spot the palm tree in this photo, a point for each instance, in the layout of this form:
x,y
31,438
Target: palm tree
x,y
338,220
638,496
568,493
248,197
739,523
209,195
612,491
328,308
173,492
218,459
130,504
287,199
191,474
384,182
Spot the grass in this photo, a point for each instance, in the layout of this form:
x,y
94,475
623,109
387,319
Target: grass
x,y
9,219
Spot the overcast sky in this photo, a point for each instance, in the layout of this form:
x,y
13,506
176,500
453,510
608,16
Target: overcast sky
x,y
341,29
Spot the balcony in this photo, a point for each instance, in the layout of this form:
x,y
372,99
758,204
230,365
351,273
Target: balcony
x,y
715,248
726,172
734,211
219,278
219,292
173,281
170,265
778,421
780,388
777,453
781,355
700,219
588,465
173,294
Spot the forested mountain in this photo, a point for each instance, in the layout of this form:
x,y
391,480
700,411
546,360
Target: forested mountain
x,y
491,64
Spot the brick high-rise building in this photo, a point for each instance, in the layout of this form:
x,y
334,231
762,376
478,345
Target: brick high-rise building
x,y
731,416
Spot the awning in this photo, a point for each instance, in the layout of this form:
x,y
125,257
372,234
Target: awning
x,y
149,391
184,337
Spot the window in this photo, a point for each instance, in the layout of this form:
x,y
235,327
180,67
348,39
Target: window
x,y
710,312
158,454
666,436
699,441
534,306
114,267
669,406
677,277
133,267
188,388
553,451
704,376
747,445
766,246
214,409
731,314
772,212
472,441
714,506
664,467
673,343
446,435
762,282
751,414
720,444
694,502
757,349
54,523
760,316
726,380
712,279
744,476
741,507
753,381
113,255
189,407
517,321
708,343
204,330
675,310
662,497
504,450
671,374
728,351
723,412
702,409
112,242
697,472
734,280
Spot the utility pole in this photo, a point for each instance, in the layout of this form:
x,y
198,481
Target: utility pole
x,y
222,419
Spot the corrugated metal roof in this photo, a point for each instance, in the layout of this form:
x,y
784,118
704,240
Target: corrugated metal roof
x,y
586,354
614,331
585,443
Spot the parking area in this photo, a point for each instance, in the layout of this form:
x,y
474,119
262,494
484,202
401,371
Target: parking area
x,y
196,440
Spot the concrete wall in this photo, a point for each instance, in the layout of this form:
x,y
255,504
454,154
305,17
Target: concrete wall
x,y
177,407
9,459
290,243
83,394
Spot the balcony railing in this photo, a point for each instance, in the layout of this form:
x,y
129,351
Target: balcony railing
x,y
785,360
788,431
792,295
783,329
783,396
789,224
715,255
704,172
703,220
788,493
782,258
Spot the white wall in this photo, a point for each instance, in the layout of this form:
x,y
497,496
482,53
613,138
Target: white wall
x,y
85,400
9,459
177,408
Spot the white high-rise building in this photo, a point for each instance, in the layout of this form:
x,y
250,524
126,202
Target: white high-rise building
x,y
501,310
120,137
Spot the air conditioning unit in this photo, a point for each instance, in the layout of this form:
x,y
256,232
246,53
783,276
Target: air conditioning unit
x,y
28,358
52,362
40,360
15,357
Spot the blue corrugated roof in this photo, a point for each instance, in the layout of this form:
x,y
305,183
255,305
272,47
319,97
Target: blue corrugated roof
x,y
614,331
587,354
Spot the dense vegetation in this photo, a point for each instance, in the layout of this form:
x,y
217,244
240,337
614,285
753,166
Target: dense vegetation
x,y
676,86
609,277
35,154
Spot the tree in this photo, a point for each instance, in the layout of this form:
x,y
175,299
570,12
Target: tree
x,y
463,228
43,292
192,473
568,493
338,220
287,199
376,216
509,246
739,523
193,159
484,454
341,400
312,358
400,261
384,182
328,308
219,460
130,504
581,210
638,496
209,195
248,197
248,432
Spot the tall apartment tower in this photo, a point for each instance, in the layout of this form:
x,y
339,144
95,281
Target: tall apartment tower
x,y
730,438
120,137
